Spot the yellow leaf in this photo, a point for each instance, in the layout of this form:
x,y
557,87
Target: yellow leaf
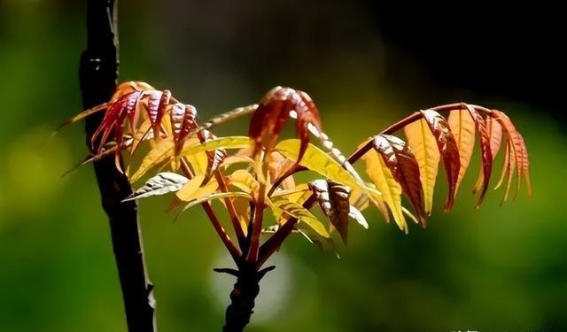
x,y
211,197
463,127
231,160
162,152
198,160
360,199
298,195
318,161
385,182
244,181
426,153
228,142
297,211
193,190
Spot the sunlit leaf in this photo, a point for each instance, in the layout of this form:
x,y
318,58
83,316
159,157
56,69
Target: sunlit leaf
x,y
235,159
198,160
448,150
485,153
355,214
160,184
211,197
463,127
426,153
161,153
318,161
194,190
495,138
182,118
360,200
385,182
333,199
244,181
517,155
404,167
279,165
275,110
303,215
228,142
242,208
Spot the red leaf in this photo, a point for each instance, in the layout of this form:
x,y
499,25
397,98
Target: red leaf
x,y
273,112
214,158
405,169
157,106
485,153
516,154
447,148
333,198
182,121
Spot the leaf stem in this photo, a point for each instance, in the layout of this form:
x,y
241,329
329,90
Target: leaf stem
x,y
252,255
231,212
235,253
275,241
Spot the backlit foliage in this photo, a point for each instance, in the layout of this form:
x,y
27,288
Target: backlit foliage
x,y
253,173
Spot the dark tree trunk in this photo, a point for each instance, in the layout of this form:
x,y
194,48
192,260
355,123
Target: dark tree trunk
x,y
98,77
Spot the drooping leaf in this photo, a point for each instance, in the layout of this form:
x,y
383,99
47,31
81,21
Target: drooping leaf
x,y
157,105
404,167
318,161
495,134
355,214
160,184
485,153
448,150
517,155
463,127
426,153
279,165
385,182
275,110
333,199
525,167
360,200
162,152
182,121
114,120
303,215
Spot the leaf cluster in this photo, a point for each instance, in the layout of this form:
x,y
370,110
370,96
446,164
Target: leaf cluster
x,y
250,175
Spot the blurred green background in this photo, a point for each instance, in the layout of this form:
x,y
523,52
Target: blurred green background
x,y
495,269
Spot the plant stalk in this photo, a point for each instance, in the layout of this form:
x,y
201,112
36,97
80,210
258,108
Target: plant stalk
x,y
98,76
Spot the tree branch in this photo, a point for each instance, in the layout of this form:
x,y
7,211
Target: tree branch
x,y
98,76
